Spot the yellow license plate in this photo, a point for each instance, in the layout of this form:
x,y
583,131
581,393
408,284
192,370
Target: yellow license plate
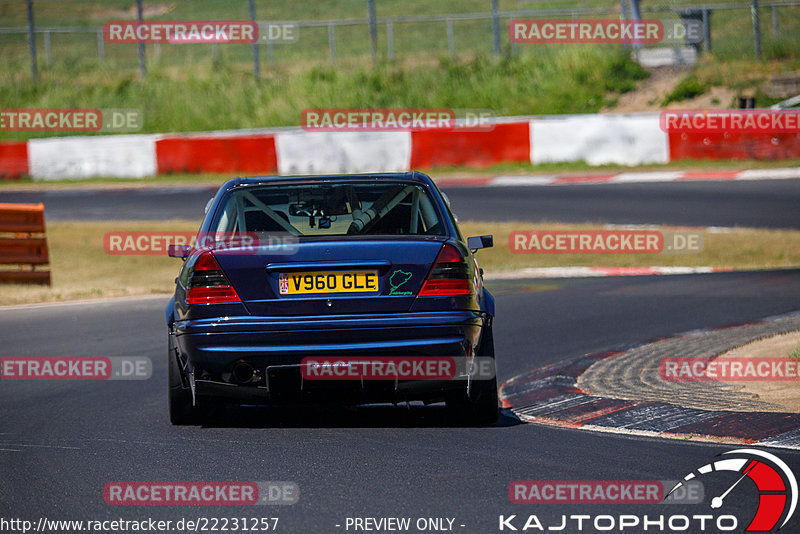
x,y
328,282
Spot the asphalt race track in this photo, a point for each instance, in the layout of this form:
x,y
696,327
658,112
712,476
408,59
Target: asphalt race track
x,y
61,442
766,204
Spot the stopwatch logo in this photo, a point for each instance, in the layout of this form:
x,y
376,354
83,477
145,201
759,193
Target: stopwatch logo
x,y
777,486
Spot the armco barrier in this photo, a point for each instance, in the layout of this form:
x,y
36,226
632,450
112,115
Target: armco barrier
x,y
24,244
597,139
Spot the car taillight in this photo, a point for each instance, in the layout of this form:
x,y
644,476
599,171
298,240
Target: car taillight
x,y
449,276
208,284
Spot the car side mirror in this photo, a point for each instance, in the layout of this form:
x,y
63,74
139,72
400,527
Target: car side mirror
x,y
479,242
178,251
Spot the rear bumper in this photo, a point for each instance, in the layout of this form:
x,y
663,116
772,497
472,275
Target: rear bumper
x,y
288,387
216,351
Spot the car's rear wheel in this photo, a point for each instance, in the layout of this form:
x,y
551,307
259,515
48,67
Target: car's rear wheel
x,y
181,411
478,405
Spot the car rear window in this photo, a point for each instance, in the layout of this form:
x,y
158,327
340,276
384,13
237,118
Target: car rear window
x,y
341,208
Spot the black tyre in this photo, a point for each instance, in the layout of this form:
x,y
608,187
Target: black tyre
x,y
181,411
478,406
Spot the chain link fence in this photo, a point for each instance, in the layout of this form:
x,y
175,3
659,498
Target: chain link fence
x,y
730,30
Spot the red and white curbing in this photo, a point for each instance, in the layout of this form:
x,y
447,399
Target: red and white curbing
x,y
632,177
622,139
595,272
551,396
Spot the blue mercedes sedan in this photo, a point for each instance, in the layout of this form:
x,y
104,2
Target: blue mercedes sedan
x,y
354,289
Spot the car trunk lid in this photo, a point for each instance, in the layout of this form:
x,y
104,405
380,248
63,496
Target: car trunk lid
x,y
331,277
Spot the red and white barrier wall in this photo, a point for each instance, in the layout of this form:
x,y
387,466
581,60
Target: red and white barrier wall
x,y
626,139
118,156
599,139
299,152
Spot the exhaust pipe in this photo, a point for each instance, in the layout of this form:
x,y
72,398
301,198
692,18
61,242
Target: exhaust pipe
x,y
242,373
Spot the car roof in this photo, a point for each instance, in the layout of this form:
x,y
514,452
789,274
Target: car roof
x,y
385,176
411,177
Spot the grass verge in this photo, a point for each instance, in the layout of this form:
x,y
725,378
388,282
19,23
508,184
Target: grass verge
x,y
227,96
81,269
740,248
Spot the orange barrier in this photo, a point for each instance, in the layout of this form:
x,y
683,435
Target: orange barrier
x,y
13,160
23,243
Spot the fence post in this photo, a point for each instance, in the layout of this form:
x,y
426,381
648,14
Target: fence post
x,y
636,14
47,47
32,44
373,31
256,60
332,42
496,27
101,47
756,29
623,13
157,52
390,39
451,41
775,21
707,30
140,18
